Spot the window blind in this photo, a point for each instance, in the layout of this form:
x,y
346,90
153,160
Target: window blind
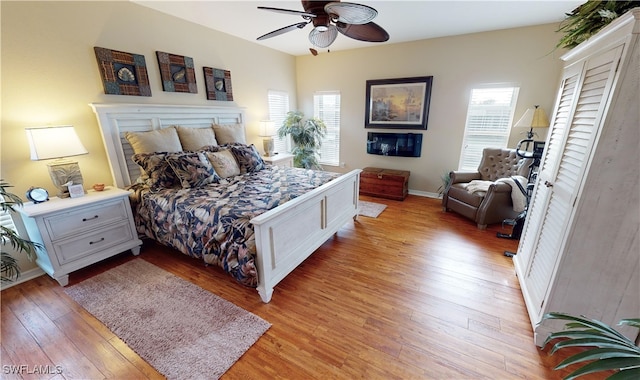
x,y
6,221
278,108
489,119
326,107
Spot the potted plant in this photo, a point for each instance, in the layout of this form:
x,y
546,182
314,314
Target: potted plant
x,y
307,138
446,179
9,268
587,19
608,349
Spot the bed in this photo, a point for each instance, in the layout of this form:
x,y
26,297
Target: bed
x,y
287,228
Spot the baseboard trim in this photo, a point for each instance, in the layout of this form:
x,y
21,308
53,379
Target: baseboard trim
x,y
24,277
424,194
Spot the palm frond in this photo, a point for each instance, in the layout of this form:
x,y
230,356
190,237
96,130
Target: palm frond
x,y
307,138
610,350
9,269
587,19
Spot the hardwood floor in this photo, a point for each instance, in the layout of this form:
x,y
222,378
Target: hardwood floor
x,y
413,294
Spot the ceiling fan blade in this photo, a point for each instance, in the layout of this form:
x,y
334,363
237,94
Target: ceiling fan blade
x,y
369,32
350,13
288,11
280,31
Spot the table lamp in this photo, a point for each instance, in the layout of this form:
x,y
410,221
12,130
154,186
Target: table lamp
x,y
533,118
267,131
58,143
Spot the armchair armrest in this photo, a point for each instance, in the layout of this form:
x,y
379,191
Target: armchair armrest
x,y
500,187
457,177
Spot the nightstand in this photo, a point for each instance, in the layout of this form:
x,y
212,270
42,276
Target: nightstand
x,y
77,232
280,159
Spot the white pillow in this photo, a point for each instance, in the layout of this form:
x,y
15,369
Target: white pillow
x,y
162,140
226,134
195,138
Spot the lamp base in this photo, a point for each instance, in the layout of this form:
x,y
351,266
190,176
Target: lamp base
x,y
63,174
268,146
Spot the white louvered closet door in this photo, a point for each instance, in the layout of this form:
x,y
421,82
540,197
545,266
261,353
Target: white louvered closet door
x,y
566,158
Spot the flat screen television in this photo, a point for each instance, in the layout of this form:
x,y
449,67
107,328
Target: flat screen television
x,y
394,144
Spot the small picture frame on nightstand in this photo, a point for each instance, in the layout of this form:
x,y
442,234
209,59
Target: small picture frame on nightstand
x,y
76,191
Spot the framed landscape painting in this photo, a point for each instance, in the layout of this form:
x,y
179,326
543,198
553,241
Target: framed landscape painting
x,y
398,103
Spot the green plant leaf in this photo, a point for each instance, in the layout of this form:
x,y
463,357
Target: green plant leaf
x,y
605,365
588,18
306,136
613,351
580,322
590,336
588,342
629,374
634,322
597,354
9,269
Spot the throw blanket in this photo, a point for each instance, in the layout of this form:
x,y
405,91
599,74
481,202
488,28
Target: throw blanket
x,y
517,197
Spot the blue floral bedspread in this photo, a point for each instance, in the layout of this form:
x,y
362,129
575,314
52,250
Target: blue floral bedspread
x,y
211,222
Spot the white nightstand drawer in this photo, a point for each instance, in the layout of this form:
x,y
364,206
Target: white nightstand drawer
x,y
70,223
72,249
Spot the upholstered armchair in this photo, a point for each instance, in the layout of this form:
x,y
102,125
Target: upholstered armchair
x,y
495,204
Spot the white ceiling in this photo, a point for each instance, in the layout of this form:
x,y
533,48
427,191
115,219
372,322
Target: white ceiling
x,y
403,20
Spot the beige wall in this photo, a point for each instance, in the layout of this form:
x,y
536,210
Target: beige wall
x,y
50,74
523,56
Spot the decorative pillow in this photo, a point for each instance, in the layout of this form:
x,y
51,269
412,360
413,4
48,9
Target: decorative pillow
x,y
212,148
226,134
224,163
248,158
157,173
195,138
192,169
162,140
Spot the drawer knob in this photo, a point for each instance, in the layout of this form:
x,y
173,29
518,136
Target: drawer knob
x,y
96,242
88,219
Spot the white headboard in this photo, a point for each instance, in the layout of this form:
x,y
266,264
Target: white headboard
x,y
117,119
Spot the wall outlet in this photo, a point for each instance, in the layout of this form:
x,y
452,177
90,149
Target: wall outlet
x,y
342,165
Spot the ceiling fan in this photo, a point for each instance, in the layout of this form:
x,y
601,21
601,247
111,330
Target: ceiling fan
x,y
329,18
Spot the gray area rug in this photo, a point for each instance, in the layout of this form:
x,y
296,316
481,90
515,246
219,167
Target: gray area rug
x,y
370,209
182,330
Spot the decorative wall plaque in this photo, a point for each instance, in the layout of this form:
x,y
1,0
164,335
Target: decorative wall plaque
x,y
123,73
218,84
177,73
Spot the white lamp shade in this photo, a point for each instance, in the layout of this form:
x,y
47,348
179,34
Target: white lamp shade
x,y
533,118
267,128
54,142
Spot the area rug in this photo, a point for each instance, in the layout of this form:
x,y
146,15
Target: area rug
x,y
370,209
182,330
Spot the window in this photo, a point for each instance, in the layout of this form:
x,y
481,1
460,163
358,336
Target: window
x,y
489,119
6,221
278,108
326,107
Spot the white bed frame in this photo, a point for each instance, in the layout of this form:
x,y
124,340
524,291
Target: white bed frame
x,y
286,235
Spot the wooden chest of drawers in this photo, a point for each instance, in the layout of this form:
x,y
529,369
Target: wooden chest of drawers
x,y
384,183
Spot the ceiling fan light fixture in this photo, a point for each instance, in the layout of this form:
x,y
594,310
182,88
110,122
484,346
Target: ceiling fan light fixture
x,y
350,13
323,39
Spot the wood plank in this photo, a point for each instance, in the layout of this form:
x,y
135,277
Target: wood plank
x,y
414,293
